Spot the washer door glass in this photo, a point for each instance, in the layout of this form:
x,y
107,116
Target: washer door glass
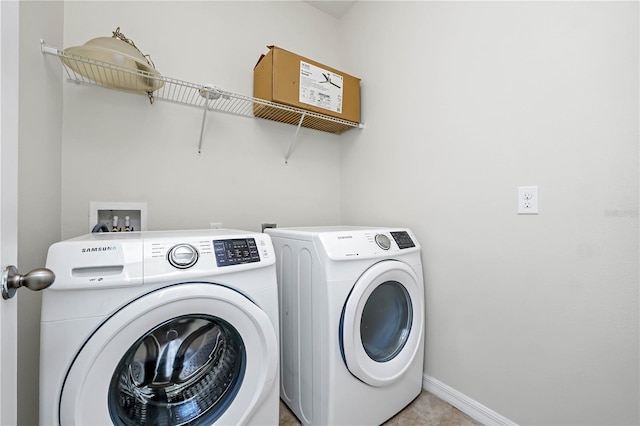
x,y
386,321
382,325
194,353
187,370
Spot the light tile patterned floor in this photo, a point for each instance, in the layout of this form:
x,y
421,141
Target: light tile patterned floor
x,y
425,410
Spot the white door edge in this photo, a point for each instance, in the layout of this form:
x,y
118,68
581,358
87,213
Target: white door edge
x,y
9,45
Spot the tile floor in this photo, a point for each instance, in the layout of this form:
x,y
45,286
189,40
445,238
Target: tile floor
x,y
426,410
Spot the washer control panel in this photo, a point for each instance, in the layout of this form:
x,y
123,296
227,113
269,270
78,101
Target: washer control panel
x,y
235,251
128,259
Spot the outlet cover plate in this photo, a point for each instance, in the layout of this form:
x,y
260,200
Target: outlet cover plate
x,y
528,199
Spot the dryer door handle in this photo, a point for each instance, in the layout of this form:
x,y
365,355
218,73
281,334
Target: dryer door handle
x,y
36,280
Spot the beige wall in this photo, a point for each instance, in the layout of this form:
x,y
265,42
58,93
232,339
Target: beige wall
x,y
534,317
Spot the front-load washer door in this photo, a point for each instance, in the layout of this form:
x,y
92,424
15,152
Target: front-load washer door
x,y
194,354
382,323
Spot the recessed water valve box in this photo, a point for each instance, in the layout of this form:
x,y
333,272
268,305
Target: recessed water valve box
x,y
117,216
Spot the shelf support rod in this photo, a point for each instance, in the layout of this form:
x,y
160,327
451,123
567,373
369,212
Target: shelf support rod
x,y
295,138
204,119
210,93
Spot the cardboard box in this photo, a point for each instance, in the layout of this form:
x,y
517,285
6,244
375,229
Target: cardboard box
x,y
286,78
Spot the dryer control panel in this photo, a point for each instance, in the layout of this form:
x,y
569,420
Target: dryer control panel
x,y
403,239
370,243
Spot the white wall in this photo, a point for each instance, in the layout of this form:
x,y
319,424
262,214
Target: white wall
x,y
534,317
40,131
118,147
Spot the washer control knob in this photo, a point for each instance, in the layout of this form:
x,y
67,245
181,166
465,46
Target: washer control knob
x,y
182,256
383,241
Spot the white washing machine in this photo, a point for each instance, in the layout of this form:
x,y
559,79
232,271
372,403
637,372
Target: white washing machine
x,y
351,322
161,328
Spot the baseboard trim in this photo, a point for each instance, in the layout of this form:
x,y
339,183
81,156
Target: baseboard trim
x,y
472,408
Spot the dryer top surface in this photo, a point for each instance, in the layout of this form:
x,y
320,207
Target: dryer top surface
x,y
310,231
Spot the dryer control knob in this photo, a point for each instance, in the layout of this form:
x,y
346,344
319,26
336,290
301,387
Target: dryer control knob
x,y
383,241
182,256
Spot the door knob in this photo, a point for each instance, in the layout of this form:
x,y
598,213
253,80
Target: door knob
x,y
36,280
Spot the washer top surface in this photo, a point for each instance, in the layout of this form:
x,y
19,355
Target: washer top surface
x,y
141,235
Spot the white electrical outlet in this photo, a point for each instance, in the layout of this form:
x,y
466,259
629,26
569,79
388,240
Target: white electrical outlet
x,y
215,225
527,200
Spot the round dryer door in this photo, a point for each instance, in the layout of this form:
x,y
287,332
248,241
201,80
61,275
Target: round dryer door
x,y
382,323
185,354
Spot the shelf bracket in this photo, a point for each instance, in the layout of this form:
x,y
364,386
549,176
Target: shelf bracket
x,y
294,140
204,119
209,93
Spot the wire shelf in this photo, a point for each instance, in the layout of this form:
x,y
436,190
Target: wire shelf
x,y
85,70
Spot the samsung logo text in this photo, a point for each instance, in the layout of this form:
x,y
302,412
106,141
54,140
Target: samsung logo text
x,y
99,249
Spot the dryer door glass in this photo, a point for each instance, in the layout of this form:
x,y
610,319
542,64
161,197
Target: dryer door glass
x,y
386,321
186,370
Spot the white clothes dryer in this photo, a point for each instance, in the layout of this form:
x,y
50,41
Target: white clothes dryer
x,y
160,328
351,322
